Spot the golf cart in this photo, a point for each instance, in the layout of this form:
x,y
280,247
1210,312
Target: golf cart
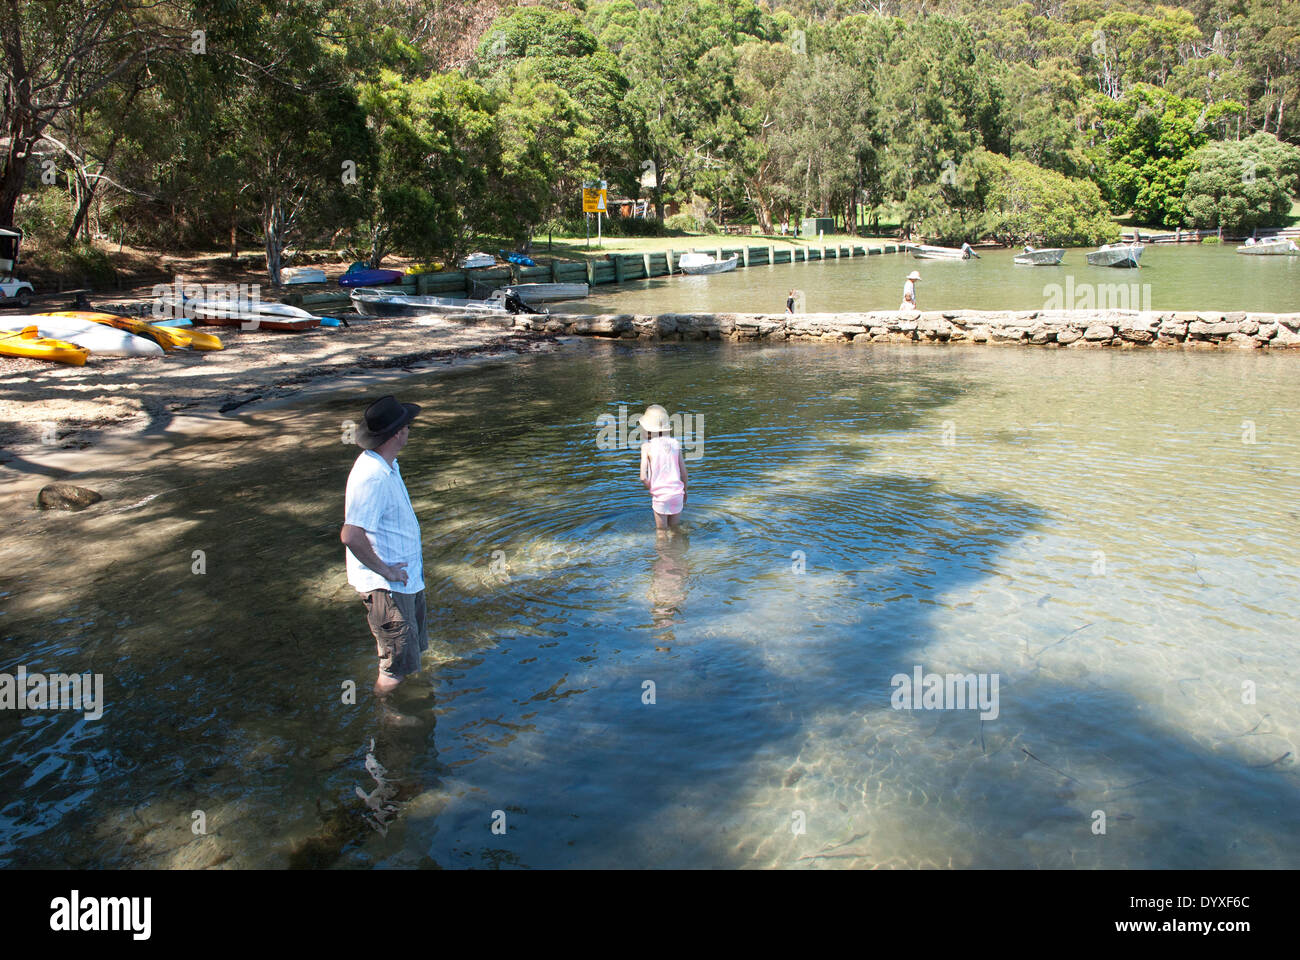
x,y
11,289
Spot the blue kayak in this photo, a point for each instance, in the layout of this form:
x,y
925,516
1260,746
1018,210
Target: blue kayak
x,y
369,278
518,259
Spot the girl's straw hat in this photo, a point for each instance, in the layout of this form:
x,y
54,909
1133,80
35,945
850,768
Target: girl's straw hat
x,y
655,419
914,276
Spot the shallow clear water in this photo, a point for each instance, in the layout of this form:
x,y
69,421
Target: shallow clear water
x,y
1090,527
1172,277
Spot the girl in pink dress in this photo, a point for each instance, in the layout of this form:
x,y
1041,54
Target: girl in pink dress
x,y
663,469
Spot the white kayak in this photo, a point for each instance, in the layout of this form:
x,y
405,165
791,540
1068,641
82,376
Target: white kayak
x,y
99,339
246,309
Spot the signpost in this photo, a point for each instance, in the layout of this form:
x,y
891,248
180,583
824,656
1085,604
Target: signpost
x,y
594,200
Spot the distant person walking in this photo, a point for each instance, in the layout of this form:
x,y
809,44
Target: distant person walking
x,y
909,292
382,536
789,303
663,469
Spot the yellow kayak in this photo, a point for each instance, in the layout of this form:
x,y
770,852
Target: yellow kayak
x,y
198,339
168,338
28,342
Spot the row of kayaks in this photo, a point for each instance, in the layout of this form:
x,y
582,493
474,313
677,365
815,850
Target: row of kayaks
x,y
71,336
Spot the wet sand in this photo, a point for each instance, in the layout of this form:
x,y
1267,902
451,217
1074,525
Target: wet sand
x,y
52,417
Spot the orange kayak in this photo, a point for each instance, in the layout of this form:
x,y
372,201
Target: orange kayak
x,y
28,342
168,339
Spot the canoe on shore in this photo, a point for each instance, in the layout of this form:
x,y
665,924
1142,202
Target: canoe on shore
x,y
28,342
100,340
248,314
168,339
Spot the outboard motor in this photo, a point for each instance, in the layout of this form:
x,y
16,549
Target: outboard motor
x,y
515,305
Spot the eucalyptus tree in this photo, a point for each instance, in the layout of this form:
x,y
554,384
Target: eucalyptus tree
x,y
59,55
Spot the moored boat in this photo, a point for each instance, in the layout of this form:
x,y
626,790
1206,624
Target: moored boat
x,y
1277,247
1046,257
702,263
1116,255
922,251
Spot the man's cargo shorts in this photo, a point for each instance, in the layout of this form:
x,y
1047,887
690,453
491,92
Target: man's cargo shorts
x,y
397,621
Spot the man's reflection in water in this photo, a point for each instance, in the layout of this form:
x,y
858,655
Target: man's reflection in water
x,y
668,576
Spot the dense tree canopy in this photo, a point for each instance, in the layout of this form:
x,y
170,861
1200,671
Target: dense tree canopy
x,y
204,122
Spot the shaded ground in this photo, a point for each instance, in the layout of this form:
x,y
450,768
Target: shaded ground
x,y
45,407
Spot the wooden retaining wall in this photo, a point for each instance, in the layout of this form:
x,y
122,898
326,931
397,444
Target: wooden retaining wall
x,y
615,268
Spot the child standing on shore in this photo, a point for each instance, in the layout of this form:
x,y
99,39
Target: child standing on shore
x,y
663,469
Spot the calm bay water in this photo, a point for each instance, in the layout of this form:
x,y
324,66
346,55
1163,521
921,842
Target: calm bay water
x,y
1093,528
1172,277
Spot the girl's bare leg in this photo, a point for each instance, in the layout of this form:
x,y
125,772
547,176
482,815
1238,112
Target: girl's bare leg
x,y
661,523
673,520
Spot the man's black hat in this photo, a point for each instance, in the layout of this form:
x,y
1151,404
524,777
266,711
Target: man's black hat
x,y
383,419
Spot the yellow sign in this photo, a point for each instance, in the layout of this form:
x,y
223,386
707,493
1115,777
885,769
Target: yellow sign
x,y
594,199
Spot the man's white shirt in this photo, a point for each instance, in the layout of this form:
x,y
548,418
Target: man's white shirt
x,y
377,502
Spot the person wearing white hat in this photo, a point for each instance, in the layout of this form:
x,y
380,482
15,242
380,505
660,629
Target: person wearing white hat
x,y
909,292
663,469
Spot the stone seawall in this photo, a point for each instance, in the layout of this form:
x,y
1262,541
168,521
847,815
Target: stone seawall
x,y
1049,328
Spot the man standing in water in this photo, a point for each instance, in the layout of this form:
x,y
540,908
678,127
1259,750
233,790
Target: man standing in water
x,y
382,536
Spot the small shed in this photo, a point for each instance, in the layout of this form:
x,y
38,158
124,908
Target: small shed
x,y
812,226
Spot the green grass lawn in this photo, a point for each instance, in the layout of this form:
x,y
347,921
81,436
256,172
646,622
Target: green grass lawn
x,y
575,248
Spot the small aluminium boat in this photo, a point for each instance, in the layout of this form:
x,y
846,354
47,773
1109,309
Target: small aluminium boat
x,y
28,342
924,251
543,292
1116,255
1277,247
698,263
378,303
476,260
302,275
1047,257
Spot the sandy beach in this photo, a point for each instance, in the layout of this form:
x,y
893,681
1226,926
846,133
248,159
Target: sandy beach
x,y
48,410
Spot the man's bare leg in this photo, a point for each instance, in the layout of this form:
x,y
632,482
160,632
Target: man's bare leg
x,y
386,685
